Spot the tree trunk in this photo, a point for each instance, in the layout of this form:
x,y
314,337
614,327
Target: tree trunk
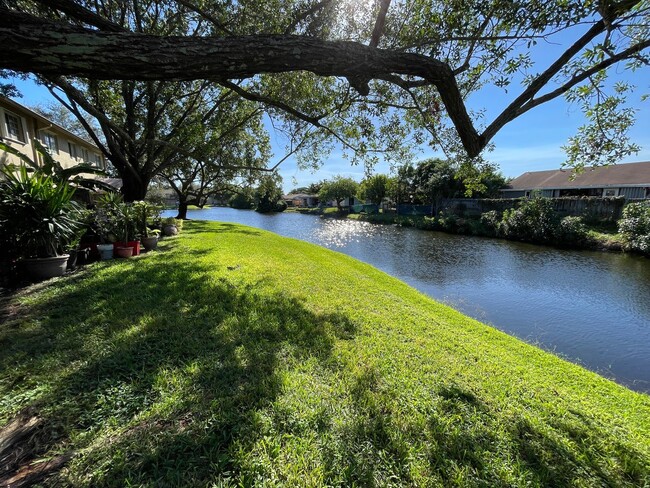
x,y
182,209
134,189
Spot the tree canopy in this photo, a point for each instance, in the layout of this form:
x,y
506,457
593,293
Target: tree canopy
x,y
374,188
338,189
365,74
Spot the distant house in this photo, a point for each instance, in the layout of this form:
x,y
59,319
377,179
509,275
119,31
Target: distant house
x,y
631,180
301,200
19,126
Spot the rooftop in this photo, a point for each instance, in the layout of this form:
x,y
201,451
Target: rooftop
x,y
629,174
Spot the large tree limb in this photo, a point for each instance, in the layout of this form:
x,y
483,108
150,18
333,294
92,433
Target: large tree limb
x,y
52,48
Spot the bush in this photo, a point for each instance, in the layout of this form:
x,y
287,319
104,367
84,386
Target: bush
x,y
634,227
448,222
571,230
490,223
534,221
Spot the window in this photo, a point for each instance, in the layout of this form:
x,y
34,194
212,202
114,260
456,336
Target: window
x,y
73,150
610,192
97,160
14,125
51,142
85,156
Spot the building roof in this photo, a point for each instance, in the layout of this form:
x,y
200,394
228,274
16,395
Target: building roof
x,y
630,174
17,106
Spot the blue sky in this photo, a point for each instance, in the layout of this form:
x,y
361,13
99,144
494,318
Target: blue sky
x,y
532,142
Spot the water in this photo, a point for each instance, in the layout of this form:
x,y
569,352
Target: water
x,y
592,308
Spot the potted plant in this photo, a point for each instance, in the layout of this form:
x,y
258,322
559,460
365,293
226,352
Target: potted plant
x,y
144,212
106,222
39,219
125,231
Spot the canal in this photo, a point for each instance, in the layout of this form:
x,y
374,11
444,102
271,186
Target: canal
x,y
592,308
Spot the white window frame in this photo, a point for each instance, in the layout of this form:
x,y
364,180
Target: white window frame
x,y
85,155
605,190
23,126
45,134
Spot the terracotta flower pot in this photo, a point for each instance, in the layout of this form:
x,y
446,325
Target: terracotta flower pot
x,y
124,252
135,245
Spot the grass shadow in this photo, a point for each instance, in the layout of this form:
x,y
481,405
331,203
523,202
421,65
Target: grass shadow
x,y
178,369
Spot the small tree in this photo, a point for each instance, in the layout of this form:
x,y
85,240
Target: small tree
x,y
374,188
338,190
435,179
268,195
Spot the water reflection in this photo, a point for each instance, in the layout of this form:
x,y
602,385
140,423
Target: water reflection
x,y
593,308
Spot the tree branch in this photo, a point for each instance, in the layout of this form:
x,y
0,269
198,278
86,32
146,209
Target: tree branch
x,y
380,23
54,48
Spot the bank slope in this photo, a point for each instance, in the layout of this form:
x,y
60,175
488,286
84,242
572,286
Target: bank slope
x,y
234,356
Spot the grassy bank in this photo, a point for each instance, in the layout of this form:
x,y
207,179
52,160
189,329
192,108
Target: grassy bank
x,y
236,357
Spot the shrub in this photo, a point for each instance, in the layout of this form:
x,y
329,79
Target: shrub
x,y
448,222
491,223
534,221
634,227
571,230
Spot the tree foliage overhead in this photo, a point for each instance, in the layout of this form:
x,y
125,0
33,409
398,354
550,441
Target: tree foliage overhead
x,y
368,75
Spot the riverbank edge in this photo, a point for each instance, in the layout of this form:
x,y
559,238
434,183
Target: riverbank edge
x,y
596,241
513,402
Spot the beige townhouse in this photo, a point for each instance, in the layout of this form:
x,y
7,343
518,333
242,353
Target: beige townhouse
x,y
19,126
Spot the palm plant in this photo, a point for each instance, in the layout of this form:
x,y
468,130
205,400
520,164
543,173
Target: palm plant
x,y
38,217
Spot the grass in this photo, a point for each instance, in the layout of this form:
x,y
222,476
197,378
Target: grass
x,y
235,357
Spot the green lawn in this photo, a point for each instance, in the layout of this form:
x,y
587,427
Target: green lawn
x,y
233,356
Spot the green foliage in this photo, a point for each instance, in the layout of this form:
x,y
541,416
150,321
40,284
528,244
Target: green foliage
x,y
374,188
243,199
571,231
435,179
38,217
146,214
268,195
533,221
117,220
338,189
491,223
536,221
634,227
236,357
173,221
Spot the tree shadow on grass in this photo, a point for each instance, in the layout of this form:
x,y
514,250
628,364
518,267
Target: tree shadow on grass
x,y
175,364
561,452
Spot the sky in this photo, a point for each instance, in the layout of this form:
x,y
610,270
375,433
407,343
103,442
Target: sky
x,y
532,142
